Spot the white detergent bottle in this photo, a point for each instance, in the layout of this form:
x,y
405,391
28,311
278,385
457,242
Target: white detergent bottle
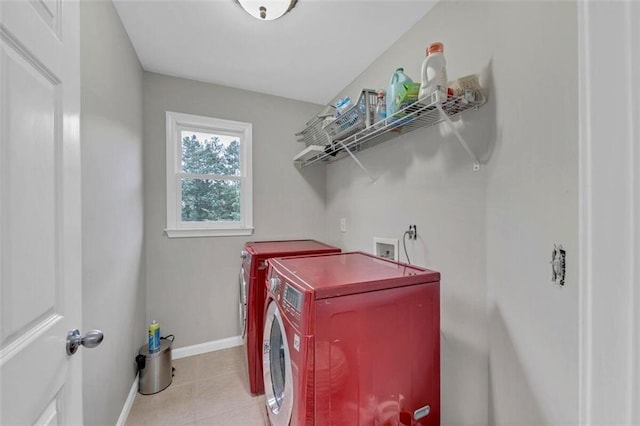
x,y
434,75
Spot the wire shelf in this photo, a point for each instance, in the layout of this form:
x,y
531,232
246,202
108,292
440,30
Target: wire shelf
x,y
414,116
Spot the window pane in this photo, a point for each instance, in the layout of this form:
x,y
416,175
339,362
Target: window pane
x,y
208,153
210,200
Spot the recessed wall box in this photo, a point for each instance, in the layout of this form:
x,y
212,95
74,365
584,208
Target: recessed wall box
x,y
386,247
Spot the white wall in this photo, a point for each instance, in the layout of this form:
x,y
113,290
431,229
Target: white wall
x,y
510,338
532,203
192,283
114,292
426,178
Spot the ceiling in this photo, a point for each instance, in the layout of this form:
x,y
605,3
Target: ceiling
x,y
310,54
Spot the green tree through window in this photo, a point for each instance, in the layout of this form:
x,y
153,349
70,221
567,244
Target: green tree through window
x,y
215,197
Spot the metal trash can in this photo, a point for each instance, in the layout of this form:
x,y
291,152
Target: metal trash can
x,y
155,369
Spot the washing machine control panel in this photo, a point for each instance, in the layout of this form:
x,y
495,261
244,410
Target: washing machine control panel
x,y
293,297
291,303
290,299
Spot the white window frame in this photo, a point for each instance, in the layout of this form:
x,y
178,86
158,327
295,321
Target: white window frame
x,y
177,122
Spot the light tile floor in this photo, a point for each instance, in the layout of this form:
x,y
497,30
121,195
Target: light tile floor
x,y
209,389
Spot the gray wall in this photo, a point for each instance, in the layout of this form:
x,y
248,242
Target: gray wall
x,y
509,337
114,292
192,283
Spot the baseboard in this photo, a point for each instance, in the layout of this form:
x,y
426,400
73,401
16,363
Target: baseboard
x,y
202,348
128,403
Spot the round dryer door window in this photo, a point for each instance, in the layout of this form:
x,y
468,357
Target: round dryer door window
x,y
278,383
276,360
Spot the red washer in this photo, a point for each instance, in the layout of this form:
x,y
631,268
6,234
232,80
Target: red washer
x,y
351,339
253,292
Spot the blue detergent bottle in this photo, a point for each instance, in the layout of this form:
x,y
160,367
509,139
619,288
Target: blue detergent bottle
x,y
397,79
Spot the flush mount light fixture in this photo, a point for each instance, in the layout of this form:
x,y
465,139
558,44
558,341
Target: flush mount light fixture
x,y
267,10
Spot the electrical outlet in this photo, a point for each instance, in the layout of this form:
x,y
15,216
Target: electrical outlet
x,y
343,224
413,232
558,264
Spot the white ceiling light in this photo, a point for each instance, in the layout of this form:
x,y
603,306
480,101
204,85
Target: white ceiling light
x,y
267,10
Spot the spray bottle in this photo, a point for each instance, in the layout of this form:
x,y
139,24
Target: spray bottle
x,y
154,336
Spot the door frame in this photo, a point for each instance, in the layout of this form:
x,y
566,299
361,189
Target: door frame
x,y
609,212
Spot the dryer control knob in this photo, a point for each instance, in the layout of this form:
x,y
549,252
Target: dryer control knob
x,y
274,283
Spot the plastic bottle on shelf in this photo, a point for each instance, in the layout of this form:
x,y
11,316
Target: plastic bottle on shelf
x,y
397,79
381,110
434,75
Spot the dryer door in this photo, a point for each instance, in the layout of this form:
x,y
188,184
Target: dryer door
x,y
278,383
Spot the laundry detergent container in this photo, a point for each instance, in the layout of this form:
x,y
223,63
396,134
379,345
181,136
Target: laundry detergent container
x,y
155,369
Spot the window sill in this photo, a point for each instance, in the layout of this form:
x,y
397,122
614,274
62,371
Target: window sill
x,y
195,233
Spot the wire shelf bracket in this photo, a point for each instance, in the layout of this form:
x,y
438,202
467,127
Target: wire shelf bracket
x,y
373,179
474,157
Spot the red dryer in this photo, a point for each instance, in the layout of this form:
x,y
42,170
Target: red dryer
x,y
351,339
253,292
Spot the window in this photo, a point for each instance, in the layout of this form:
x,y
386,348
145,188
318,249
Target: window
x,y
209,186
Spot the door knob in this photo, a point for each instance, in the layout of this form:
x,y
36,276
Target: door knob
x,y
90,340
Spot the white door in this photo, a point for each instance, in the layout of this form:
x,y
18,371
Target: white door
x,y
39,212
